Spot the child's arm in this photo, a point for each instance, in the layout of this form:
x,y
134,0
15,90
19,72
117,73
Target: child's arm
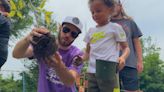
x,y
84,57
86,53
125,49
138,48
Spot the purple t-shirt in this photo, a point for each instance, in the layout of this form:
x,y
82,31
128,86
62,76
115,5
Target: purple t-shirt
x,y
49,81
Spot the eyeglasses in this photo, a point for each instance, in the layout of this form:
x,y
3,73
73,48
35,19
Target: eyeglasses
x,y
73,34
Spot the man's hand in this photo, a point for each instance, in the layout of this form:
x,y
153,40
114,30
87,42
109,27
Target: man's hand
x,y
36,32
67,76
54,60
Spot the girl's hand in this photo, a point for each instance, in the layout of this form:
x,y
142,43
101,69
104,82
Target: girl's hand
x,y
121,63
139,67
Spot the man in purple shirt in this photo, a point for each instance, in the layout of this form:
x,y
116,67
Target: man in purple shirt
x,y
58,72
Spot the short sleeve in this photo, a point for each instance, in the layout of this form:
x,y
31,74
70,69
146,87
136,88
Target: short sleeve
x,y
74,67
136,33
119,34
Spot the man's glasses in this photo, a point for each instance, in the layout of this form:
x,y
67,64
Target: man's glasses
x,y
73,34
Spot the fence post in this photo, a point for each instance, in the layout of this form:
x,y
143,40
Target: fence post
x,y
24,82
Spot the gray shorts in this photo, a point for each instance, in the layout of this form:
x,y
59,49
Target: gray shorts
x,y
129,79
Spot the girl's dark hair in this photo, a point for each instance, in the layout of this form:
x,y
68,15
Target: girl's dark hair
x,y
109,3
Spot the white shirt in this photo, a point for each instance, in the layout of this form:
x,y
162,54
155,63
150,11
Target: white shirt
x,y
104,43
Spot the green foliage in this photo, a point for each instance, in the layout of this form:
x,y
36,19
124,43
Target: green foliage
x,y
42,16
31,77
20,16
149,47
25,13
152,79
29,80
9,85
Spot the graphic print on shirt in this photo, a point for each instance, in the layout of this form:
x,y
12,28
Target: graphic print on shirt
x,y
52,76
122,35
97,36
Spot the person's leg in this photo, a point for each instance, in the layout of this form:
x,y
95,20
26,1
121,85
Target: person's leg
x,y
92,83
3,50
129,78
107,77
109,85
2,61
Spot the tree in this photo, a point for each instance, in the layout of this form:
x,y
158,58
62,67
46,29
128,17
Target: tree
x,y
152,79
30,77
9,84
25,13
20,16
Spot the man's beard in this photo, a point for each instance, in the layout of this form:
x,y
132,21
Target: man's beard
x,y
64,43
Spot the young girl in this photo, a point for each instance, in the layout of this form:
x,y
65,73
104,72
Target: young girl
x,y
134,65
103,43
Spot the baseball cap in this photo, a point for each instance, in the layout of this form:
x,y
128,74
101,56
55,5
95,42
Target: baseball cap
x,y
74,21
6,5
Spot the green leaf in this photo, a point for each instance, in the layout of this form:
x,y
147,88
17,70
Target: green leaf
x,y
13,6
21,4
48,17
19,14
12,13
42,3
